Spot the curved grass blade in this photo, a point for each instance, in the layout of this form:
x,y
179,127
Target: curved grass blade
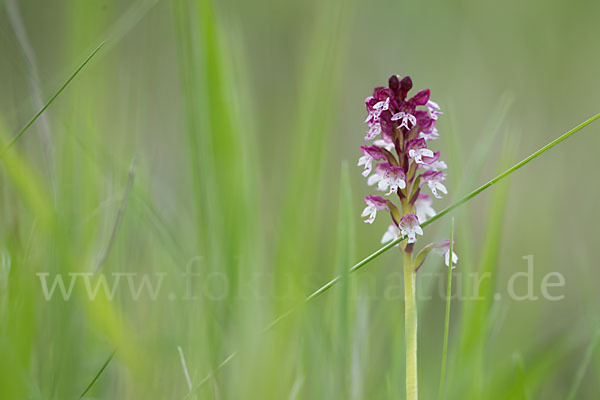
x,y
36,116
87,389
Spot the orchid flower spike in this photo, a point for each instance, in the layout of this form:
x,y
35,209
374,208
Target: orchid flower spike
x,y
399,160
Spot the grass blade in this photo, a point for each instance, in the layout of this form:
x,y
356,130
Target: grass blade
x,y
119,217
185,369
36,116
583,367
87,389
447,319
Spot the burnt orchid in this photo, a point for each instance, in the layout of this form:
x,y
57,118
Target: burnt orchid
x,y
401,128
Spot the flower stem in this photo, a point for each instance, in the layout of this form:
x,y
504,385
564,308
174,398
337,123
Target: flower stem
x,y
410,327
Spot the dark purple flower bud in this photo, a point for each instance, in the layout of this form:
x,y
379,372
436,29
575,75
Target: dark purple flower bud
x,y
425,123
381,93
394,83
421,98
405,86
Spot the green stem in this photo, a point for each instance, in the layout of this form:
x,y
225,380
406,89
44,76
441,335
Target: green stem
x,y
410,327
447,320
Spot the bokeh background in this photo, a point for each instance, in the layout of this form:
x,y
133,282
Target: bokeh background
x,y
242,121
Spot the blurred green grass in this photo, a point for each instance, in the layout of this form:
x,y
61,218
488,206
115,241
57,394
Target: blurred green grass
x,y
240,116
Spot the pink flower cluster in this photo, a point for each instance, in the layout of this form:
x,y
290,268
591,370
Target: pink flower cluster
x,y
401,129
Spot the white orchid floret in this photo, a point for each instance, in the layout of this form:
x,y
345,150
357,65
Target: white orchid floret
x,y
373,132
410,227
434,179
376,110
388,177
447,259
443,248
434,109
392,233
367,161
417,150
382,106
435,166
432,135
370,154
406,118
374,204
423,207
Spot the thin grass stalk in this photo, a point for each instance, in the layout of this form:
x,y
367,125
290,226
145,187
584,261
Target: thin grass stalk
x,y
89,386
583,367
37,115
447,319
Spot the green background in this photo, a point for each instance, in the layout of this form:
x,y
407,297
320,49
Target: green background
x,y
244,119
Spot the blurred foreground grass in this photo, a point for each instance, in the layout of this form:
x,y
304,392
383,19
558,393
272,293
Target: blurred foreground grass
x,y
238,118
